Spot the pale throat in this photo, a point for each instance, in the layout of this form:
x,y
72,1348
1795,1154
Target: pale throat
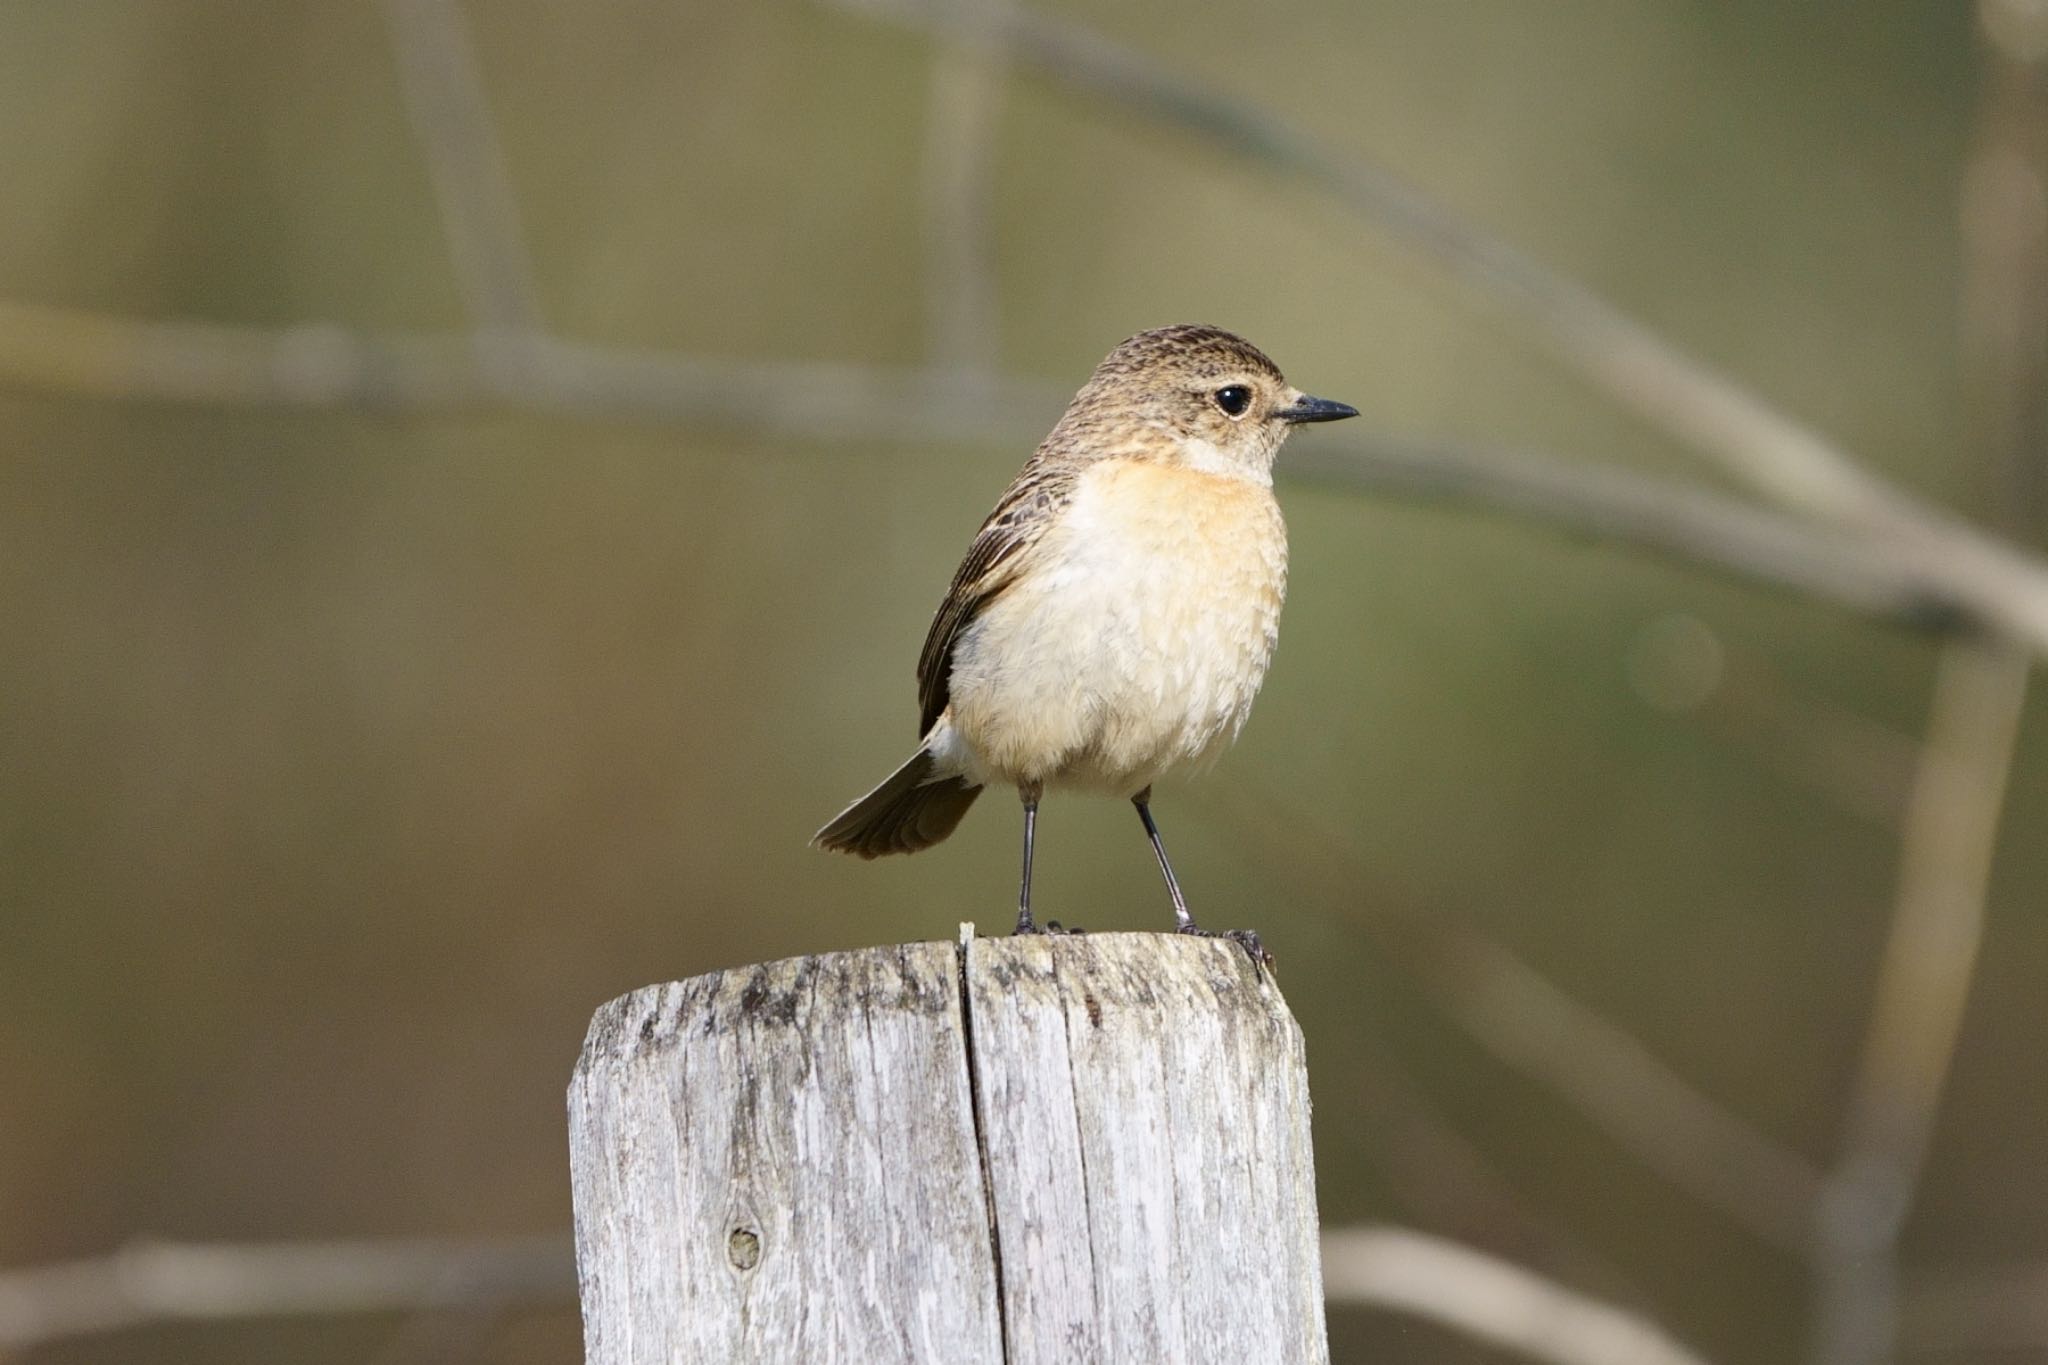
x,y
1206,457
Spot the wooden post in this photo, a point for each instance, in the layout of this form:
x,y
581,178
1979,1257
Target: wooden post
x,y
1057,1150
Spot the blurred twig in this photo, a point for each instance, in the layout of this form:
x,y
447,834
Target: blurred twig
x,y
1530,1025
1488,1298
2004,223
151,1281
451,120
320,365
1670,1125
960,127
1782,459
1683,521
1447,1183
1635,364
1951,825
1458,1286
1944,870
156,1281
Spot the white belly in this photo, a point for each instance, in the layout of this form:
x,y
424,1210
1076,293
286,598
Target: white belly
x,y
1134,643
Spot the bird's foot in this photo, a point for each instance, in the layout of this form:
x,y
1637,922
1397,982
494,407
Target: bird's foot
x,y
1246,939
1028,925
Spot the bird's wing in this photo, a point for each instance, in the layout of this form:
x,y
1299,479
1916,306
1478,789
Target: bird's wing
x,y
992,564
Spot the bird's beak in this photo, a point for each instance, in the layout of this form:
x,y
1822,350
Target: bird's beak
x,y
1307,409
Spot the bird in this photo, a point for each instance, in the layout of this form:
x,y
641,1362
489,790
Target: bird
x,y
1113,618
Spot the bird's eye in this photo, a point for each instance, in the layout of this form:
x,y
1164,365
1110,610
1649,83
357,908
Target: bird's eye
x,y
1234,399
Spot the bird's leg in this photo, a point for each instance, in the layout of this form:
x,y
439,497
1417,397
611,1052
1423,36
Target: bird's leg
x,y
1183,920
1029,792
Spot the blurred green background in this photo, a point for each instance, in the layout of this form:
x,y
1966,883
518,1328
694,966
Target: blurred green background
x,y
350,759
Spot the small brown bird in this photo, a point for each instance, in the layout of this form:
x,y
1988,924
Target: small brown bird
x,y
1113,619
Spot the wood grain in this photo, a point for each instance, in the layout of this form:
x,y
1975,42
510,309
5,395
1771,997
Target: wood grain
x,y
1098,1151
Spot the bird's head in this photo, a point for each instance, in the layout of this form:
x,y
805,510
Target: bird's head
x,y
1194,395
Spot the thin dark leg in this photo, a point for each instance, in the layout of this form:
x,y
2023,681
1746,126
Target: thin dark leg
x,y
1025,924
1182,920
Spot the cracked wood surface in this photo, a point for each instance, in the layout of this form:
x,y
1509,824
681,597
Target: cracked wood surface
x,y
1099,1153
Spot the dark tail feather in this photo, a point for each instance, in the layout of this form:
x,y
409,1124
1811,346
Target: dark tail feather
x,y
909,811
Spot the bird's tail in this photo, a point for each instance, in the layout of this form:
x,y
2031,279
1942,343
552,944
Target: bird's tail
x,y
914,808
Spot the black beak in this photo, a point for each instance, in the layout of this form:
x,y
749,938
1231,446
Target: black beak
x,y
1316,410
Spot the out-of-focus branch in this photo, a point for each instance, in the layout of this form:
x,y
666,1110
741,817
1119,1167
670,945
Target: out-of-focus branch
x,y
1458,1286
1440,1178
1937,926
151,1281
2004,222
154,1281
1530,1025
1781,458
1671,1126
1633,363
319,365
1684,521
964,109
1487,1298
324,366
451,120
1951,826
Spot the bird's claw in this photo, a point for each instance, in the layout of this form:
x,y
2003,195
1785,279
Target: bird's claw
x,y
1050,927
1247,939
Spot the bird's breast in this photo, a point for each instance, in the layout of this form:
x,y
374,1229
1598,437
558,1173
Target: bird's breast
x,y
1135,639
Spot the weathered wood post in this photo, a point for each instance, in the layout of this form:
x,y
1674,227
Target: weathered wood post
x,y
1086,1149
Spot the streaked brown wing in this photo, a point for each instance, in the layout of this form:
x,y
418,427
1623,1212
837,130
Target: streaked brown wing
x,y
991,565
